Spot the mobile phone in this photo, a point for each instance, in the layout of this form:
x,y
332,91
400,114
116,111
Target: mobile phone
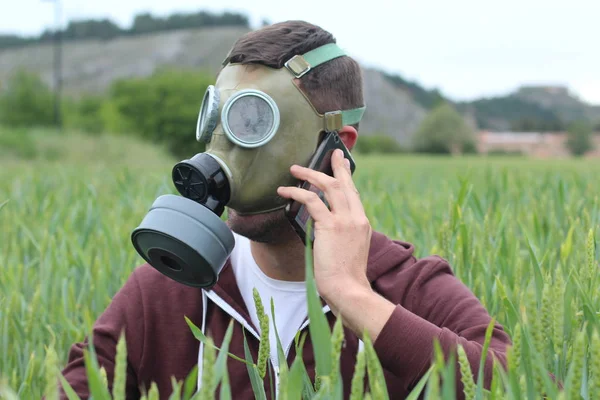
x,y
321,161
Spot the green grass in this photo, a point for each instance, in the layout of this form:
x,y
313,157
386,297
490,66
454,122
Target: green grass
x,y
519,233
49,146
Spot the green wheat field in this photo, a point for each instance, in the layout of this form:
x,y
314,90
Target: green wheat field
x,y
521,234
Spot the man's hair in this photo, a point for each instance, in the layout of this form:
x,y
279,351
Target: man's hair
x,y
334,85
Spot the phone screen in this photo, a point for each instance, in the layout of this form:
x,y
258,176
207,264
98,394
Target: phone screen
x,y
303,216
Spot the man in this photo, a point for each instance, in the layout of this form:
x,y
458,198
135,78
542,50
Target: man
x,y
374,283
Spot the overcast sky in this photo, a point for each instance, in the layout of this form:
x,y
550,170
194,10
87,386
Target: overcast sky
x,y
466,48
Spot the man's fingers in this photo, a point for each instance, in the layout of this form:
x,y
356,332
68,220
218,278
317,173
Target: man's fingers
x,y
314,205
341,168
330,186
342,172
340,190
319,179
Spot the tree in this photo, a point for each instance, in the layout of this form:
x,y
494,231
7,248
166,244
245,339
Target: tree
x,y
444,130
26,101
379,143
91,28
579,138
163,108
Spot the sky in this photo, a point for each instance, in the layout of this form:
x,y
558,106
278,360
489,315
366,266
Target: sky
x,y
466,48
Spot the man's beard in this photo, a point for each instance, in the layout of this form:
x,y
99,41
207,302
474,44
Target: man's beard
x,y
272,227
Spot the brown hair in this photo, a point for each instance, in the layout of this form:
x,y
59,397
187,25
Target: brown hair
x,y
334,85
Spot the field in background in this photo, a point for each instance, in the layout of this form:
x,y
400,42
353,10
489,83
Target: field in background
x,y
514,230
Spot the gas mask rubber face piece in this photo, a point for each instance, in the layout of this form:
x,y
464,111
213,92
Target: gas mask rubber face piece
x,y
266,125
256,122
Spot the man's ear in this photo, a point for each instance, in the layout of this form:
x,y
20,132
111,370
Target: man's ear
x,y
349,135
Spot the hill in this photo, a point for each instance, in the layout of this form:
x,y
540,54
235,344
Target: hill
x,y
396,106
510,112
532,108
89,66
561,101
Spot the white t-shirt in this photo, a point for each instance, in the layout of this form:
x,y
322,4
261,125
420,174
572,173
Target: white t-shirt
x,y
289,298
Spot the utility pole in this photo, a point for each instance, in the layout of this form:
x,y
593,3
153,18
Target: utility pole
x,y
57,39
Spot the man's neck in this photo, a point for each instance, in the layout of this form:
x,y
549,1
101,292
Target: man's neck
x,y
281,261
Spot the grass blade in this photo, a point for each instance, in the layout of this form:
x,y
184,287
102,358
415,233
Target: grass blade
x,y
257,383
319,329
202,338
295,380
190,384
537,269
97,388
416,392
225,392
221,363
120,379
71,395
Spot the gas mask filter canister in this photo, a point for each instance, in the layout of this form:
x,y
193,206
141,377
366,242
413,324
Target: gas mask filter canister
x,y
256,122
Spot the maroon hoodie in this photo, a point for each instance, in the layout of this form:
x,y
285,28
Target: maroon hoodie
x,y
430,303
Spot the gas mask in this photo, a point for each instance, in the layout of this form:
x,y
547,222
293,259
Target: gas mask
x,y
256,122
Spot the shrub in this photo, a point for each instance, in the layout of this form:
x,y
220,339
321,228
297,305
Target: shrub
x,y
377,144
579,138
163,108
85,114
26,101
444,131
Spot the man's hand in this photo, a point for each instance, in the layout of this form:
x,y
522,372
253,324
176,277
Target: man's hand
x,y
341,248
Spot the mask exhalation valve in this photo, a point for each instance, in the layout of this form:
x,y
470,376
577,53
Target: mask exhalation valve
x,y
202,180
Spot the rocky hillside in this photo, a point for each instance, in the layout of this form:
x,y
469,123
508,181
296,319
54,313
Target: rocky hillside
x,y
91,65
560,100
395,106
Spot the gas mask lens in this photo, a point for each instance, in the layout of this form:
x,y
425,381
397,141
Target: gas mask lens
x,y
250,118
207,118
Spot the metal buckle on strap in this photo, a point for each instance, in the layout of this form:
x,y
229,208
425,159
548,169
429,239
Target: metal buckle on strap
x,y
297,66
333,121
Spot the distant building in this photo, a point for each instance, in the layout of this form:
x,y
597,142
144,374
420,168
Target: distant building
x,y
533,144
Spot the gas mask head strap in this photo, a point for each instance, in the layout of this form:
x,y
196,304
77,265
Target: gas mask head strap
x,y
301,64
